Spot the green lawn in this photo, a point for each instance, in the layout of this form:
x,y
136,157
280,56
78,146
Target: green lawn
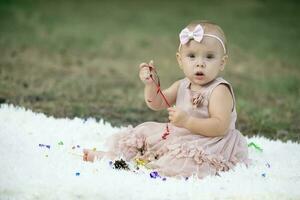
x,y
69,58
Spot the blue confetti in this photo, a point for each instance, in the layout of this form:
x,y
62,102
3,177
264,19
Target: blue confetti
x,y
154,174
263,174
77,173
44,145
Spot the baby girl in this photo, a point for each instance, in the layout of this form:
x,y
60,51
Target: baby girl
x,y
201,138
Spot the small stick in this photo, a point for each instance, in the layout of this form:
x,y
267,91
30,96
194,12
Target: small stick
x,y
76,154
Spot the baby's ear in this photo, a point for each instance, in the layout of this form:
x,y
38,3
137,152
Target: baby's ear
x,y
223,62
179,60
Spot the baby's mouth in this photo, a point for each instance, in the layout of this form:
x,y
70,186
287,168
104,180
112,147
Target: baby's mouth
x,y
199,75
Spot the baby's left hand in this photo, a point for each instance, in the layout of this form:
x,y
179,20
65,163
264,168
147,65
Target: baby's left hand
x,y
177,116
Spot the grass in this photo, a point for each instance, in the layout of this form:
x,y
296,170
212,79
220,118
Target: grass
x,y
80,59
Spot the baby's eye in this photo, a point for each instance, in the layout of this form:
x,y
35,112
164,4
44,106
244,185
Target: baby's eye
x,y
210,56
191,55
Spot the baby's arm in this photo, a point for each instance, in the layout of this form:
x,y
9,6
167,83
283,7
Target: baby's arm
x,y
220,108
155,101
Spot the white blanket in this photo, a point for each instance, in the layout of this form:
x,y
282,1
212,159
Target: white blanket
x,y
29,169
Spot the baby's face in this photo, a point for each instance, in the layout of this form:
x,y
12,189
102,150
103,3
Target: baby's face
x,y
201,62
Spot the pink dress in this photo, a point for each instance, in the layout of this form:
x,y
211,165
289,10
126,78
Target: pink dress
x,y
184,153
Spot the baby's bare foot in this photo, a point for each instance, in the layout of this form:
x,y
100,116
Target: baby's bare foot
x,y
92,155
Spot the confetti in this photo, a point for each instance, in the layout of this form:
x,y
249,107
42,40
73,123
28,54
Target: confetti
x,y
77,173
121,164
154,175
263,174
140,161
60,143
255,146
44,145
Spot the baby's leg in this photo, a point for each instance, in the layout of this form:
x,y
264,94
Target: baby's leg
x,y
91,155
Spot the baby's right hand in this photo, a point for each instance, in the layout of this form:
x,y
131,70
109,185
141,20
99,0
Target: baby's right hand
x,y
145,73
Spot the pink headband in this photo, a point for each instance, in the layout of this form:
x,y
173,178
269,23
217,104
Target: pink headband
x,y
197,34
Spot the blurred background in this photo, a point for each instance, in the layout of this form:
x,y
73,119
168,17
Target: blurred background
x,y
80,58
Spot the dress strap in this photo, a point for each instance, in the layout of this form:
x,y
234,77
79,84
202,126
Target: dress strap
x,y
217,82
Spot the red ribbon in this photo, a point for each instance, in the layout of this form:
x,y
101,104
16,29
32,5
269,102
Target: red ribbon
x,y
167,131
158,86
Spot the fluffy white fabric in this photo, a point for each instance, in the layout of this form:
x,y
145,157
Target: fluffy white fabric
x,y
29,171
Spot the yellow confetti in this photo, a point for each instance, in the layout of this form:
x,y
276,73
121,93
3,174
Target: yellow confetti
x,y
140,161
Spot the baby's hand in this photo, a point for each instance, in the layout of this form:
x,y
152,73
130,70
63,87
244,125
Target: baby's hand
x,y
146,73
177,116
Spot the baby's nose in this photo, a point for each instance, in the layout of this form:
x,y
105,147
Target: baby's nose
x,y
200,64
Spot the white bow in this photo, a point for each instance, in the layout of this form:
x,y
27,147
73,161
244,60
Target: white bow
x,y
197,34
186,35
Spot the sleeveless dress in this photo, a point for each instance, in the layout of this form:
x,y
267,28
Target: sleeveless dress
x,y
183,153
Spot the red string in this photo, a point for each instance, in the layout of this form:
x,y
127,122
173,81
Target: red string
x,y
167,131
157,86
159,91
